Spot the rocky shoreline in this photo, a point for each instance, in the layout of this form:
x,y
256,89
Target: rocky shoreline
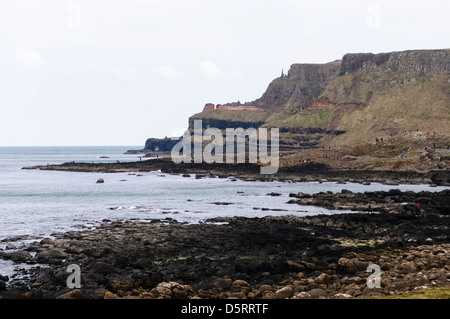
x,y
325,256
310,171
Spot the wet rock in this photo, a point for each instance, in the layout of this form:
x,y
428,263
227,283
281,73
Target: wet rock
x,y
50,256
100,181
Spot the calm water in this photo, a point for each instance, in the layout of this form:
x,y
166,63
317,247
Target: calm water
x,y
39,203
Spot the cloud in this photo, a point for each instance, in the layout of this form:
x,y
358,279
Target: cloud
x,y
212,71
24,59
168,72
128,73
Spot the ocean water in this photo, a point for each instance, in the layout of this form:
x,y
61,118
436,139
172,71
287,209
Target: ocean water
x,y
41,203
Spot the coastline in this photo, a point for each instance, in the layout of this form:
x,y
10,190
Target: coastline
x,y
311,257
286,257
273,258
306,172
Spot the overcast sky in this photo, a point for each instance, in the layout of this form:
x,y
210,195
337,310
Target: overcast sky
x,y
111,72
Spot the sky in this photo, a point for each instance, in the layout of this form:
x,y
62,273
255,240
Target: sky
x,y
112,72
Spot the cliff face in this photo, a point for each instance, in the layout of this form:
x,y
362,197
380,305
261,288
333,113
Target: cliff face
x,y
416,61
299,88
344,102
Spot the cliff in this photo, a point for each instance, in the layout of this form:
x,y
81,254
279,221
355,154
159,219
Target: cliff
x,y
361,97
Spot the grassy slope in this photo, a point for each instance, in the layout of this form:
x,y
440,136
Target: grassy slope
x,y
422,104
429,293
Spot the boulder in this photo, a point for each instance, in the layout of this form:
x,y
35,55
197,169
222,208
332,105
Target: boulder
x,y
317,293
240,285
50,256
349,158
352,265
100,181
283,293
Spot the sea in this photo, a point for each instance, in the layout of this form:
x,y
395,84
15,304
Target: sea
x,y
37,204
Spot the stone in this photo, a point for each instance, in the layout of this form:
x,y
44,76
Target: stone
x,y
240,285
341,296
50,256
102,268
223,283
349,158
283,293
302,295
352,265
73,294
406,267
317,293
323,279
100,181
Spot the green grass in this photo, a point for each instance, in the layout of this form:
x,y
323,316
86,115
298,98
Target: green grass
x,y
321,117
428,293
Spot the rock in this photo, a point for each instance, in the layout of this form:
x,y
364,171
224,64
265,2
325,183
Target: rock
x,y
181,291
323,279
274,194
240,285
18,256
110,295
73,294
283,293
102,268
100,181
163,290
370,292
302,295
3,281
317,293
223,283
341,296
349,158
352,265
51,256
99,293
406,267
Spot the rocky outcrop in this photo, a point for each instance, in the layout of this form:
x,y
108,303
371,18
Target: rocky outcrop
x,y
416,61
160,144
300,88
223,124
